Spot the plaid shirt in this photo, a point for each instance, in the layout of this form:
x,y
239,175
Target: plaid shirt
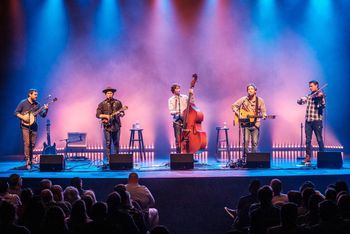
x,y
314,108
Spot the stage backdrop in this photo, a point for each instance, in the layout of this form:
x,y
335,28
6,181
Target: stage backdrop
x,y
72,50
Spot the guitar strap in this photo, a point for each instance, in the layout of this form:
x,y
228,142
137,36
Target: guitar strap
x,y
256,107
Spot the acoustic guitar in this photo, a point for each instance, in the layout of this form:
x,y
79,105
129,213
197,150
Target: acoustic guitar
x,y
249,117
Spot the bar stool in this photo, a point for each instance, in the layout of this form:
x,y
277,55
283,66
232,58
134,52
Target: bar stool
x,y
219,140
139,139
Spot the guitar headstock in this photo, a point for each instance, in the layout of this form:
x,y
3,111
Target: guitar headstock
x,y
194,80
124,108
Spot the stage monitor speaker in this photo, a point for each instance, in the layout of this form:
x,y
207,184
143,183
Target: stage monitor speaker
x,y
121,162
329,160
258,160
51,162
181,161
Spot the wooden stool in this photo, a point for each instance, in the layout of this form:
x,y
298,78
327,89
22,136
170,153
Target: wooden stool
x,y
219,140
139,139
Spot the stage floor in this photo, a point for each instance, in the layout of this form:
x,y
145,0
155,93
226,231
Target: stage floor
x,y
161,169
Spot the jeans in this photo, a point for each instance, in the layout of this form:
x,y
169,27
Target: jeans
x,y
111,136
26,140
315,126
251,134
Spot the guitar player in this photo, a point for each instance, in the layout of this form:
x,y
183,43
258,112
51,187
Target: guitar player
x,y
29,132
111,124
250,104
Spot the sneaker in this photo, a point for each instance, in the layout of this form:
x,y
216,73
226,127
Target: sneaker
x,y
232,213
307,159
28,165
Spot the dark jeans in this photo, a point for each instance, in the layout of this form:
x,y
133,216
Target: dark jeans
x,y
109,138
177,134
313,126
26,140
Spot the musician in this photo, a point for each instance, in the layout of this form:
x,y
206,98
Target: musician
x,y
29,133
315,103
111,128
255,104
177,104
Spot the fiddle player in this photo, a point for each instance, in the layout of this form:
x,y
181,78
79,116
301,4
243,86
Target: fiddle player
x,y
315,103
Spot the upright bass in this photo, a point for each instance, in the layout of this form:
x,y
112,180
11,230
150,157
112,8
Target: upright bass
x,y
192,137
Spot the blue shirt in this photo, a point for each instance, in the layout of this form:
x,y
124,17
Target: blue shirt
x,y
26,106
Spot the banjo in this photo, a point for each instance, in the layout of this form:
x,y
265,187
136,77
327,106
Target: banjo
x,y
31,115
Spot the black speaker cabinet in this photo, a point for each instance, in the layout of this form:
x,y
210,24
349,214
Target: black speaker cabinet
x,y
181,161
121,162
51,162
258,160
329,160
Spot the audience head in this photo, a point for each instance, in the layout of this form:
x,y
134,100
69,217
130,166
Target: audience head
x,y
54,219
78,213
125,198
328,210
133,178
91,194
265,195
344,206
119,187
26,195
45,184
276,186
46,196
295,197
254,186
159,229
331,194
77,182
289,215
88,203
314,201
15,181
57,192
99,211
71,194
113,202
306,194
306,184
341,186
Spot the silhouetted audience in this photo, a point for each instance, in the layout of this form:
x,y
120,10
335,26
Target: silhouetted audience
x,y
54,222
143,196
71,194
98,216
77,182
265,215
77,222
278,198
7,220
5,195
15,184
289,214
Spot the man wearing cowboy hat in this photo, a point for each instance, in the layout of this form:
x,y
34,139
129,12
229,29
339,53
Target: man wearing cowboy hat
x,y
111,123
